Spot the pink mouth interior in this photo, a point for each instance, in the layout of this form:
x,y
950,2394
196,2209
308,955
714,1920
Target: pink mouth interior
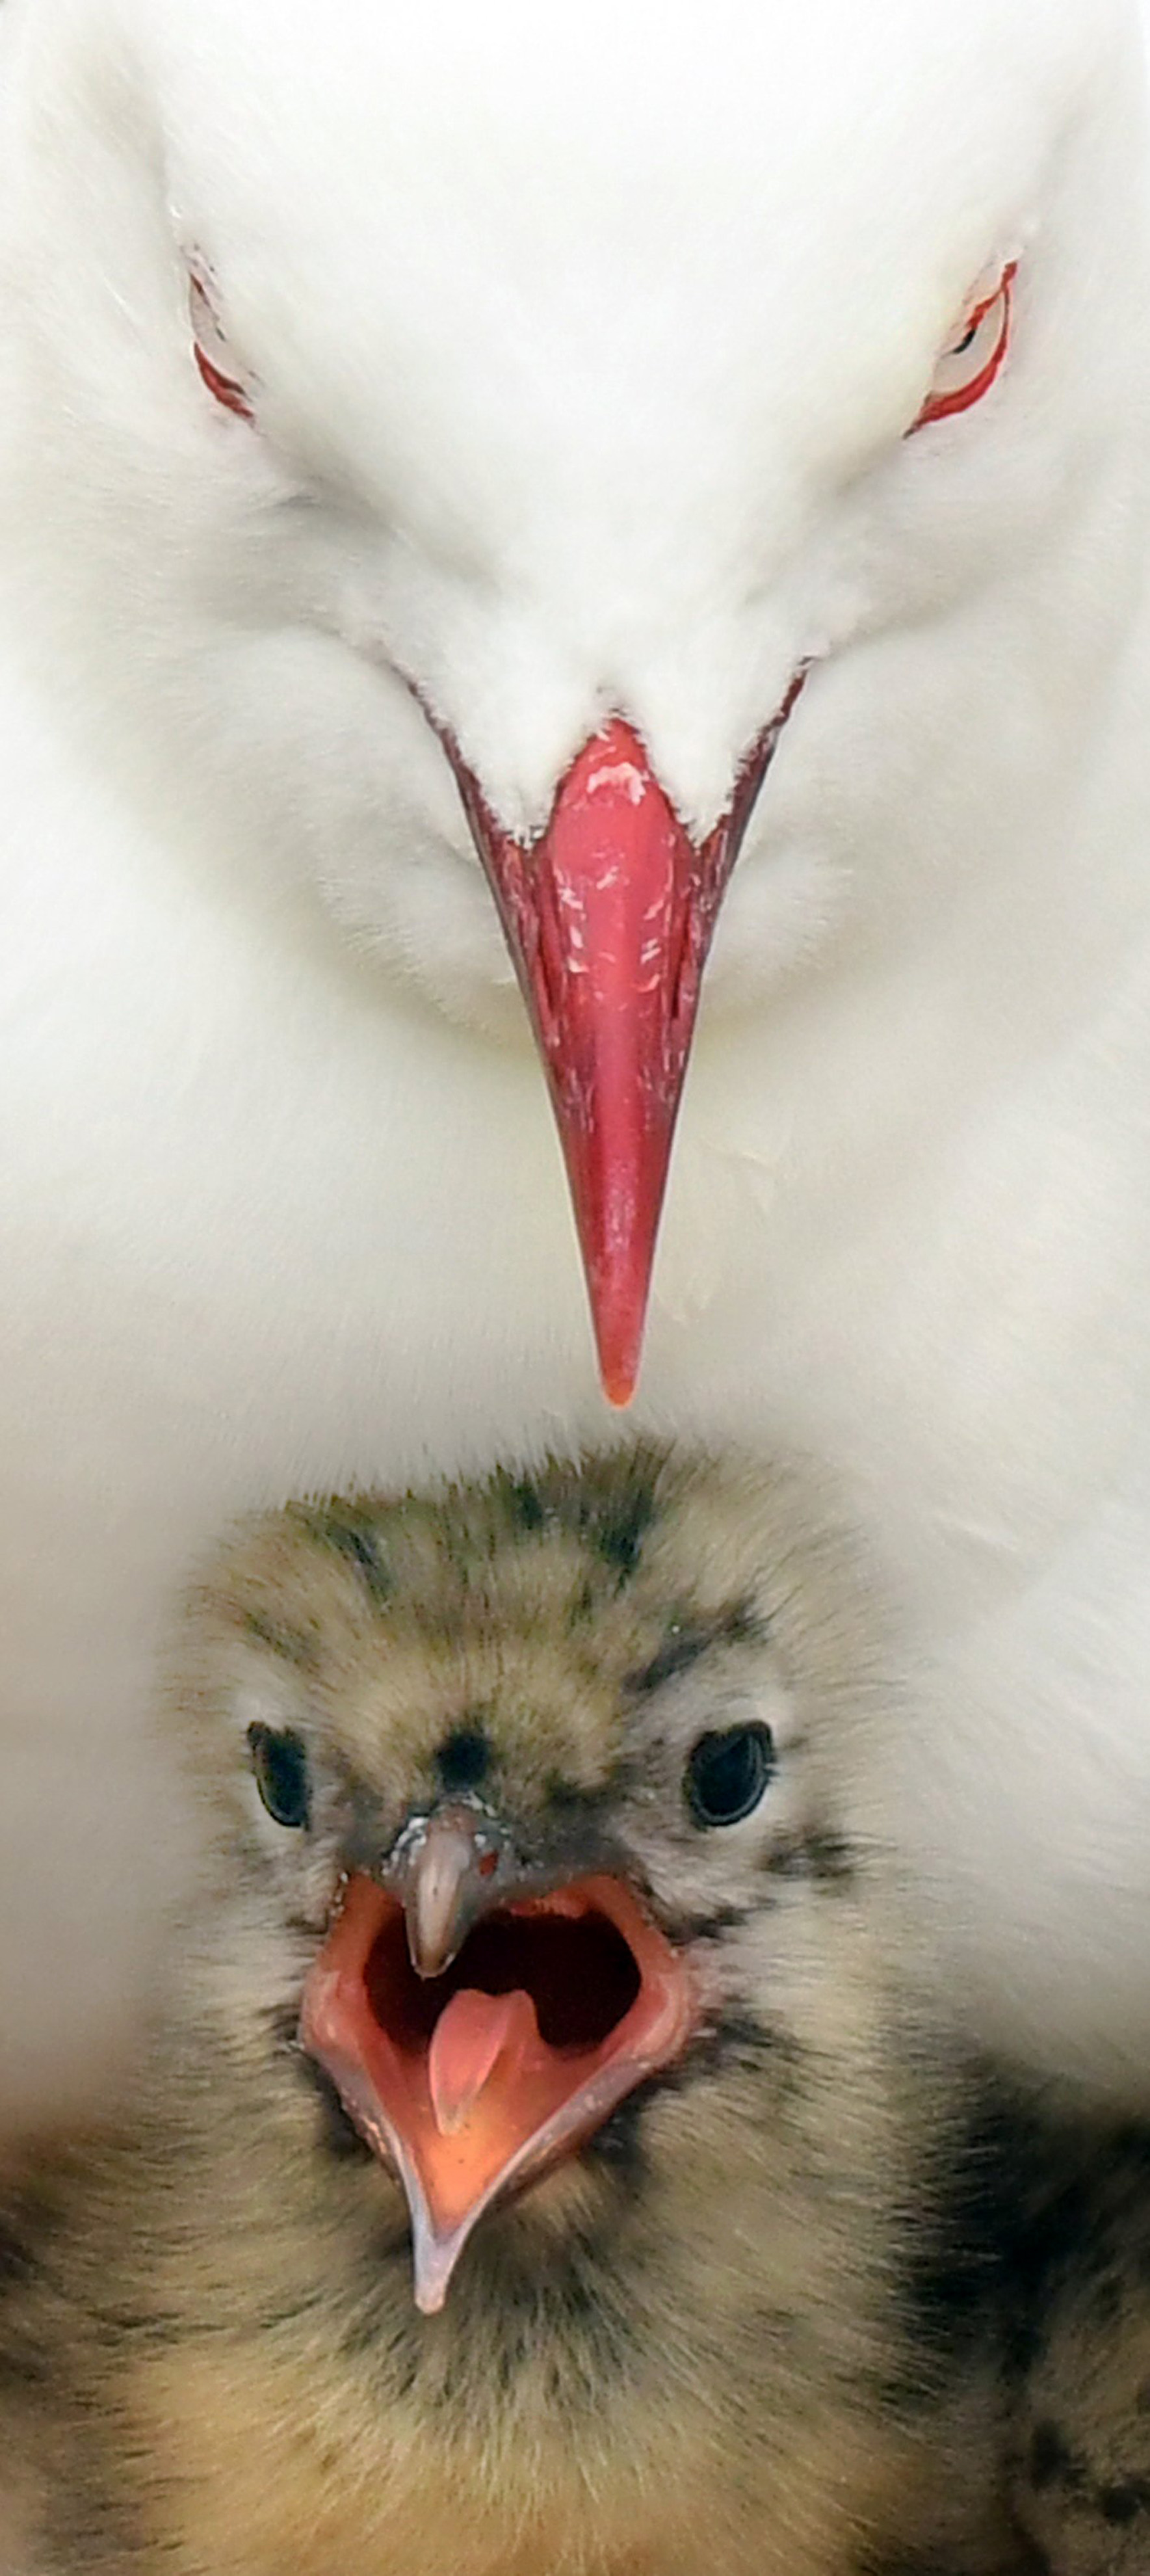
x,y
472,2082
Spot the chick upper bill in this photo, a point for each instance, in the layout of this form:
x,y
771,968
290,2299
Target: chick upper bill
x,y
542,1968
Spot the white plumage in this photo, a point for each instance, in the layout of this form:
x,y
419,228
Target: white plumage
x,y
582,356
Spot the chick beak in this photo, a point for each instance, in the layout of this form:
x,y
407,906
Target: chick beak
x,y
609,915
442,1876
476,2035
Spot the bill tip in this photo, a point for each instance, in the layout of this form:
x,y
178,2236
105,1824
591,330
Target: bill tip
x,y
619,1387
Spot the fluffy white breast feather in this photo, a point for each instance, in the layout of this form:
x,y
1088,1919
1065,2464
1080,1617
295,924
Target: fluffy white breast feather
x,y
556,374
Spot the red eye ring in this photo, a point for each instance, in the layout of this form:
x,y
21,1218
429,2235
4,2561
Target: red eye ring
x,y
944,406
209,344
226,391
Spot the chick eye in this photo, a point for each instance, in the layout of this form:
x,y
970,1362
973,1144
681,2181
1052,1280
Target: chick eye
x,y
279,1762
727,1774
968,367
211,353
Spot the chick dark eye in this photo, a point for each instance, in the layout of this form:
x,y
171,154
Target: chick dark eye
x,y
727,1774
279,1762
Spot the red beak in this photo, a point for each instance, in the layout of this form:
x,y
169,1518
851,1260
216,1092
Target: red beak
x,y
609,915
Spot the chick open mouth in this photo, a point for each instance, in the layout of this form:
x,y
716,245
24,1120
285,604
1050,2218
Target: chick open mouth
x,y
473,2082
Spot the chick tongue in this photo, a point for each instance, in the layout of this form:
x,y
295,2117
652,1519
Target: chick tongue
x,y
472,2035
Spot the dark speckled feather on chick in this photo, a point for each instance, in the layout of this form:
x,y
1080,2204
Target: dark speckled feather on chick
x,y
565,1773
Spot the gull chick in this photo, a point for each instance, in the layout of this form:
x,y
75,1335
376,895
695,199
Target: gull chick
x,y
542,2165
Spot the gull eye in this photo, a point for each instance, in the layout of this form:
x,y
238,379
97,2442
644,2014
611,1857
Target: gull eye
x,y
211,353
969,365
727,1774
279,1762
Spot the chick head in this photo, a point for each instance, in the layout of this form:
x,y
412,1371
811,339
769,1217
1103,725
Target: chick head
x,y
537,1803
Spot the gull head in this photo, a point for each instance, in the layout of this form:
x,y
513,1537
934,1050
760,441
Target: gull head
x,y
528,491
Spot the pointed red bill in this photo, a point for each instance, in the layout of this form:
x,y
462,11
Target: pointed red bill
x,y
472,2083
609,915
